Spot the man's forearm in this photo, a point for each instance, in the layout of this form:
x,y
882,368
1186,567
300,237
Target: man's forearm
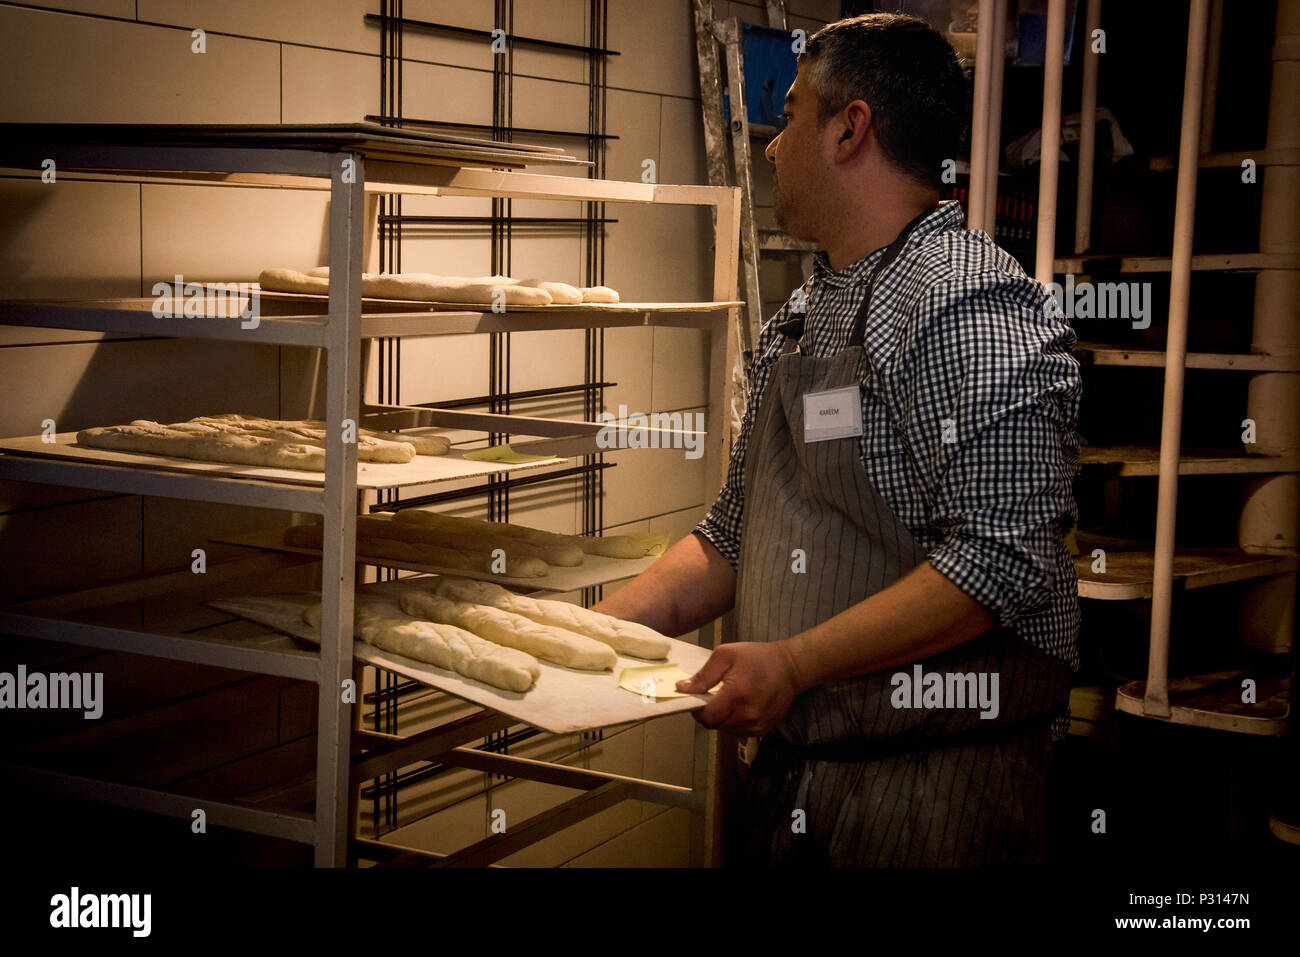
x,y
691,584
920,615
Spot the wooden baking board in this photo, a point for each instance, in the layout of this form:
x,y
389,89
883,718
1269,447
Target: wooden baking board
x,y
419,305
594,570
422,470
562,701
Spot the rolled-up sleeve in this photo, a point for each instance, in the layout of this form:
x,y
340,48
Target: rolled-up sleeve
x,y
1002,451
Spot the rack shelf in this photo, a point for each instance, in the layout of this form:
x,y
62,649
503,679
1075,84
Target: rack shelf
x,y
379,319
1101,354
349,162
1129,575
1214,701
1209,262
1132,460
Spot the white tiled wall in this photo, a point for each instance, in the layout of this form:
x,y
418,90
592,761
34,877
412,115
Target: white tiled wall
x,y
299,61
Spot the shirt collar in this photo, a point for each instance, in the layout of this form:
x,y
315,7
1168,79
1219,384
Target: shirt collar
x,y
947,215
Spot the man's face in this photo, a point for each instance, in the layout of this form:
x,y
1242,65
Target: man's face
x,y
800,176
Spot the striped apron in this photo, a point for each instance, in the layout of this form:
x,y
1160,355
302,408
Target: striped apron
x,y
845,778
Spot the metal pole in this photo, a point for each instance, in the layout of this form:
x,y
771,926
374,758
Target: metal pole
x,y
1156,703
1087,133
338,552
979,123
993,150
1053,67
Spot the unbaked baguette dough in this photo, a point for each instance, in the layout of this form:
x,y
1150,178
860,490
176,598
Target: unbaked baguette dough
x,y
412,286
418,553
613,546
625,637
427,287
599,294
514,631
244,445
290,280
423,444
384,625
155,439
561,292
480,537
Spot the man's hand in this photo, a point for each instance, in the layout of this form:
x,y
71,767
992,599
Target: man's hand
x,y
759,683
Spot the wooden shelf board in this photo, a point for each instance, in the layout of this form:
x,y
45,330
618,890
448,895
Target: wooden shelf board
x,y
594,570
1129,574
1209,262
134,315
562,701
1214,701
1136,460
422,470
1262,157
1101,354
300,319
1283,830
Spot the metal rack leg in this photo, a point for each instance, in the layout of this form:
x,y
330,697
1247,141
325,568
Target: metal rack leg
x,y
338,558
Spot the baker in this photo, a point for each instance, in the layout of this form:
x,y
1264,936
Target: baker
x,y
919,529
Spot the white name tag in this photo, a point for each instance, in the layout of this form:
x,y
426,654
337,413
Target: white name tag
x,y
833,414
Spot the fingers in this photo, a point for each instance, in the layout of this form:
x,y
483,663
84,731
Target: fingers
x,y
717,713
714,670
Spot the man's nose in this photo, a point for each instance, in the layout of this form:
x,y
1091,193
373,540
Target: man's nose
x,y
770,152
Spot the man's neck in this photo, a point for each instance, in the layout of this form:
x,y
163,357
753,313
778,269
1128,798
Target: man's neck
x,y
864,231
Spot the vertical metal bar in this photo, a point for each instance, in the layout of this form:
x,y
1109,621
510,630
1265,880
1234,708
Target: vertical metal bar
x,y
979,121
1156,703
1049,168
994,146
1087,133
338,557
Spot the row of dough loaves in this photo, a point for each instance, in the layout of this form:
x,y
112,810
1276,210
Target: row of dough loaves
x,y
426,287
483,631
248,440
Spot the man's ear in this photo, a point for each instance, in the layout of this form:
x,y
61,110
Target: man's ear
x,y
852,119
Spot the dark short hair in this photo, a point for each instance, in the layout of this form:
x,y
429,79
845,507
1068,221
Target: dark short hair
x,y
907,73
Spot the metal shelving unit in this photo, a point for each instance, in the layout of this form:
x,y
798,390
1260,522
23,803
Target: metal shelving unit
x,y
349,164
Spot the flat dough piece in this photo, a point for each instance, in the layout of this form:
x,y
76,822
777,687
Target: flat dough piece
x,y
625,637
384,625
155,439
514,631
419,553
477,539
599,294
561,292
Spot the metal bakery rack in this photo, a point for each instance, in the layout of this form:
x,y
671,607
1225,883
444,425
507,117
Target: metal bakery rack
x,y
350,161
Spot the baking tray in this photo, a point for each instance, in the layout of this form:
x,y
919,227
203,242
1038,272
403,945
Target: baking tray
x,y
422,470
562,701
422,305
